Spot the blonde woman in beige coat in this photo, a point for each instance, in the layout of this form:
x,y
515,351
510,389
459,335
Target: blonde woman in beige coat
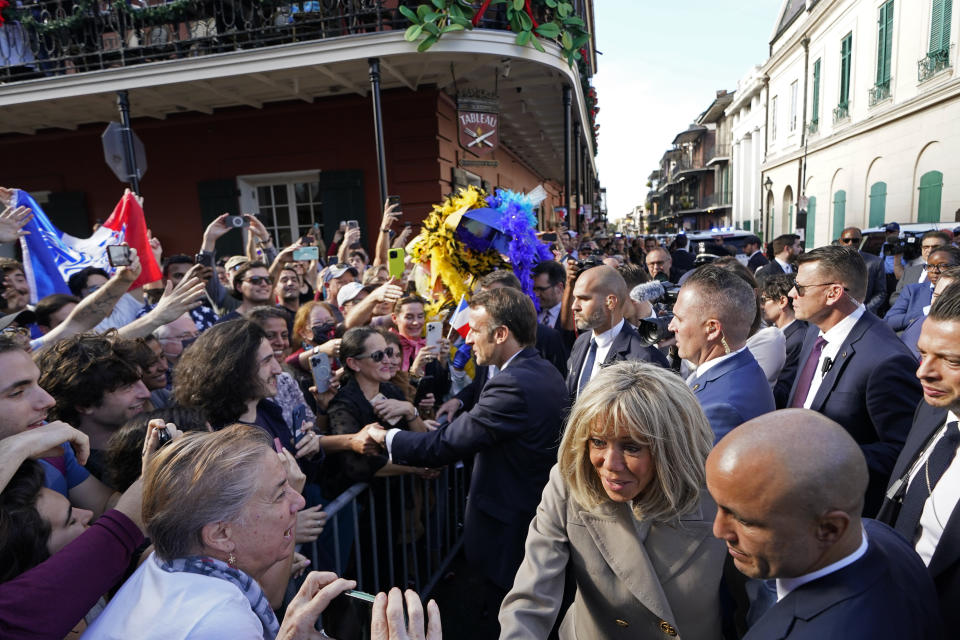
x,y
626,510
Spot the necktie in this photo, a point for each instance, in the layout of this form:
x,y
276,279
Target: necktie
x,y
806,375
926,478
545,320
587,366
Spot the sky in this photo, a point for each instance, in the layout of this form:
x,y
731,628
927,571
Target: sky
x,y
662,63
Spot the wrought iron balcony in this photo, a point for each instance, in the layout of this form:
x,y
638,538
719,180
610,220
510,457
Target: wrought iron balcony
x,y
933,63
813,126
879,92
842,112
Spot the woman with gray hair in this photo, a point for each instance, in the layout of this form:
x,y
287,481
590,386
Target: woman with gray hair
x,y
626,514
221,514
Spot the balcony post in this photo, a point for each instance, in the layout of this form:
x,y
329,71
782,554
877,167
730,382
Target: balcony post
x,y
378,126
133,172
572,220
577,181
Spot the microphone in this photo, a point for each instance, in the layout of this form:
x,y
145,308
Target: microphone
x,y
647,291
827,365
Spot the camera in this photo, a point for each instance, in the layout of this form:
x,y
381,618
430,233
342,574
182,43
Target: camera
x,y
669,297
652,331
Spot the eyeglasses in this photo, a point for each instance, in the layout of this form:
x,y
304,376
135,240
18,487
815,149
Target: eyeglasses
x,y
378,356
543,289
849,240
937,268
258,280
802,288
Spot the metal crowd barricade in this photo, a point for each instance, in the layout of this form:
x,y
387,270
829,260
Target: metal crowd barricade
x,y
367,543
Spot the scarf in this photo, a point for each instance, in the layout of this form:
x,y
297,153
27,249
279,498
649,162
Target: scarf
x,y
410,348
207,566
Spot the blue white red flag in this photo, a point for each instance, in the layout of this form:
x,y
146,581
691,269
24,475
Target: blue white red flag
x,y
50,256
460,320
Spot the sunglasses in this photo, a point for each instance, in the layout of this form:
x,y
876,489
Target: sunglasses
x,y
378,356
258,280
802,288
849,240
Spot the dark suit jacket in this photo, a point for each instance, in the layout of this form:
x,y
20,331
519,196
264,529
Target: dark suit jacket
x,y
909,306
732,392
682,260
911,334
551,347
871,391
756,261
911,275
626,346
513,429
884,595
772,268
945,564
876,298
794,335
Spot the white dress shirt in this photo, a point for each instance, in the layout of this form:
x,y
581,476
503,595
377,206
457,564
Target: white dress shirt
x,y
709,364
786,266
835,337
786,585
604,342
942,502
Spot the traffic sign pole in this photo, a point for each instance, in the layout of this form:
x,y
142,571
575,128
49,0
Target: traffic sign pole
x,y
123,102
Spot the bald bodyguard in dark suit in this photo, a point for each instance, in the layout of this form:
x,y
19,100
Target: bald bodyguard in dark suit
x,y
853,368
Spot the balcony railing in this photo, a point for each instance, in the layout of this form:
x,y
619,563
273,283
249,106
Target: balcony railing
x,y
59,37
685,164
716,151
842,112
933,63
813,126
879,92
716,200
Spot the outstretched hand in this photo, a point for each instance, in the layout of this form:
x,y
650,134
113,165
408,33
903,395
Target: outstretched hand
x,y
12,222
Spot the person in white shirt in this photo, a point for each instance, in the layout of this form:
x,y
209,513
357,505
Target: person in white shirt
x,y
783,521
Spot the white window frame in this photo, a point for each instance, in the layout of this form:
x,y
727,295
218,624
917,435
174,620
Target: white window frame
x,y
249,201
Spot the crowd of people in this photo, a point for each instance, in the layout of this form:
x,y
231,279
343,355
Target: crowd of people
x,y
662,440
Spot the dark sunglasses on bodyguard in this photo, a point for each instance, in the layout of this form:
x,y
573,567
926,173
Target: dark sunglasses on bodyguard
x,y
378,356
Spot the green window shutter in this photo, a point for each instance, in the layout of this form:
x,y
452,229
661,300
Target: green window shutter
x,y
808,236
746,225
839,212
816,91
846,49
884,42
941,12
931,190
878,203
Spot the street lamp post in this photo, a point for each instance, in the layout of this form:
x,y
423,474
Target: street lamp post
x,y
768,218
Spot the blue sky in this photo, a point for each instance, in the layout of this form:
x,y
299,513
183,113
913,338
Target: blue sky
x,y
662,63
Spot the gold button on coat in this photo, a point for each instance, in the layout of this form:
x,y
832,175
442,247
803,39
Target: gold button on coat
x,y
622,623
667,628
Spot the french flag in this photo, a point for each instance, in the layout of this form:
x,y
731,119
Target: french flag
x,y
460,321
50,256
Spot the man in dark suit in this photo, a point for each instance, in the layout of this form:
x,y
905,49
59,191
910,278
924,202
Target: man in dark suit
x,y
513,430
711,320
660,266
853,368
922,500
789,489
876,297
914,300
598,299
549,282
681,256
753,247
777,308
914,274
786,248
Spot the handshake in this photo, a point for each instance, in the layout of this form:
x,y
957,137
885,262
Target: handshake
x,y
369,441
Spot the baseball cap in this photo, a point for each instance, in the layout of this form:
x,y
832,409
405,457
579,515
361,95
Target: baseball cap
x,y
234,262
338,270
23,318
890,227
348,292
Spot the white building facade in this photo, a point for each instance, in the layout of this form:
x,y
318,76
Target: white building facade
x,y
747,114
864,104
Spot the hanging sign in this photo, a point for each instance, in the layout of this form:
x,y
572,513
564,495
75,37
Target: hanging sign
x,y
478,119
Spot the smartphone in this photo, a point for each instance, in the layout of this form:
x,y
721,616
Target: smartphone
x,y
360,595
434,333
118,255
395,200
380,396
395,264
235,222
424,387
204,259
549,237
296,421
320,366
352,224
306,254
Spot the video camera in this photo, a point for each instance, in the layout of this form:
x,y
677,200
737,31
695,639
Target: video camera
x,y
906,245
652,331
